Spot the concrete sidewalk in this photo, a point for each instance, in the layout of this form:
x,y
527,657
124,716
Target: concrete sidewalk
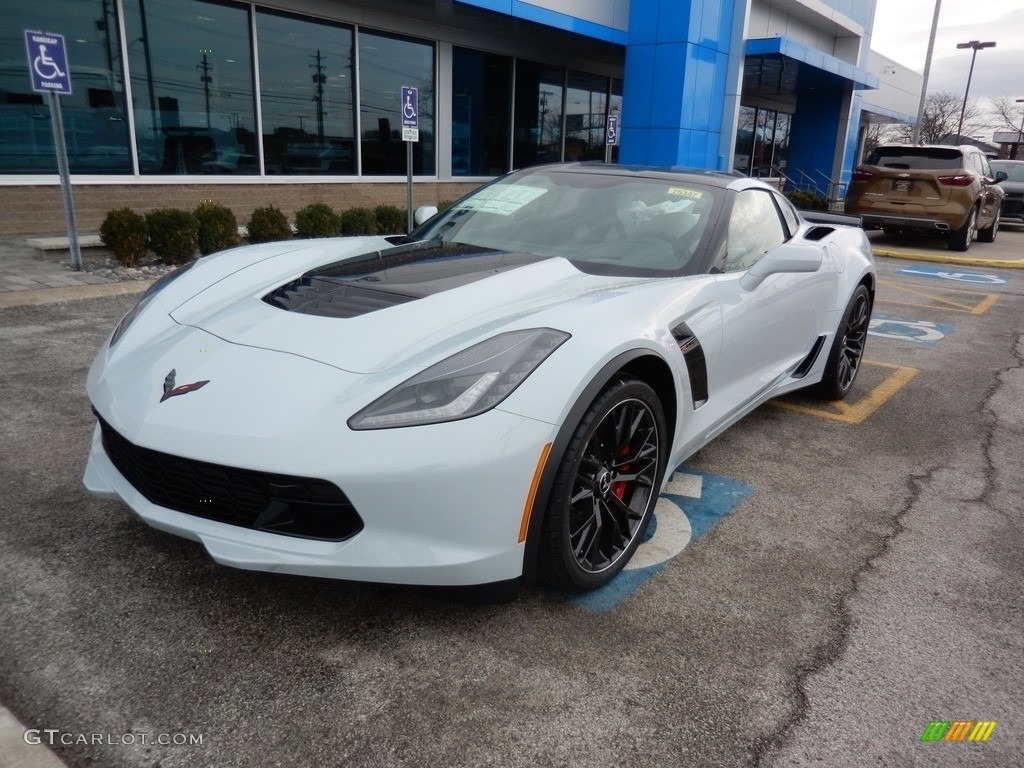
x,y
15,752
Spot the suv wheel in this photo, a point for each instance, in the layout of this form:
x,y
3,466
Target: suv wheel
x,y
961,239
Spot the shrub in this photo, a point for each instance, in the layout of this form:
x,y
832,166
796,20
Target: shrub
x,y
358,221
390,220
124,232
218,227
268,224
444,204
317,220
807,200
173,234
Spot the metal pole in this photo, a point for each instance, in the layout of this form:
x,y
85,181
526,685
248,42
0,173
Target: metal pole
x,y
963,107
927,69
1020,134
65,180
408,191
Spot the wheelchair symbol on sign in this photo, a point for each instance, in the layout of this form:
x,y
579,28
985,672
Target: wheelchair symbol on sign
x,y
921,331
44,60
409,111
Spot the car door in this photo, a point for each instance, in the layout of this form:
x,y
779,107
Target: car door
x,y
991,193
769,330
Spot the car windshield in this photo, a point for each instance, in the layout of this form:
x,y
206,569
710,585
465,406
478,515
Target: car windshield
x,y
916,158
616,224
1014,170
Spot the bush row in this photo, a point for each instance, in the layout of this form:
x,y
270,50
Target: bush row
x,y
175,235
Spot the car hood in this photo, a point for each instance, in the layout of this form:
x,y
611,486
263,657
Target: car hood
x,y
401,307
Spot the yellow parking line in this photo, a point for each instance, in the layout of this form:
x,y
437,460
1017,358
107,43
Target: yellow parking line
x,y
948,304
857,412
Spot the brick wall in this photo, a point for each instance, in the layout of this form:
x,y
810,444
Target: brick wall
x,y
37,210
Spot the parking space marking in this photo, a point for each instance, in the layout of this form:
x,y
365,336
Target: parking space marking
x,y
978,307
960,277
913,331
692,503
855,413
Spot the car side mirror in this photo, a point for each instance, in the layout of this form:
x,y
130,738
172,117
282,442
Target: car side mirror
x,y
423,213
783,260
1001,176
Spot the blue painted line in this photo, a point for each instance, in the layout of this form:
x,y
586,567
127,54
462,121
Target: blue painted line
x,y
718,497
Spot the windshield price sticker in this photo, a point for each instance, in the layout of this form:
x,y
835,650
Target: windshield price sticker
x,y
503,200
691,193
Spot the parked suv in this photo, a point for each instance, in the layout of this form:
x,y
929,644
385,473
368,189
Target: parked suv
x,y
1013,186
928,188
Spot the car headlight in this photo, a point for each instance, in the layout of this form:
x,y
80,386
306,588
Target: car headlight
x,y
466,384
146,297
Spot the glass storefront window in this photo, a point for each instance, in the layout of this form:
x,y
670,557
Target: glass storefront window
x,y
306,85
615,108
762,142
387,63
586,105
744,139
538,114
192,84
481,102
95,122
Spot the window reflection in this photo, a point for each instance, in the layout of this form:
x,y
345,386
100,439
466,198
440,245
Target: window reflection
x,y
481,98
192,84
306,100
538,114
95,124
386,64
586,104
615,108
762,142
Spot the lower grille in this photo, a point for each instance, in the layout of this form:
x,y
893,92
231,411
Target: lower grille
x,y
292,506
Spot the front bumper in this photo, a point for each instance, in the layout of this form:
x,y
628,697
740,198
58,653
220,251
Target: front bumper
x,y
441,504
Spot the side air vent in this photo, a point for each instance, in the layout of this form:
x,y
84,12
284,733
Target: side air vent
x,y
696,364
312,295
808,362
818,233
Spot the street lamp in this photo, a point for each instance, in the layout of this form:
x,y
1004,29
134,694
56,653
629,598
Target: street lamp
x,y
974,44
1020,133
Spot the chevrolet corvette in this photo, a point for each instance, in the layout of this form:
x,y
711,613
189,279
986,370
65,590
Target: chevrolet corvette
x,y
497,397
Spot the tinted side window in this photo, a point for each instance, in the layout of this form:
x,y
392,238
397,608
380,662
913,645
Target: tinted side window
x,y
754,229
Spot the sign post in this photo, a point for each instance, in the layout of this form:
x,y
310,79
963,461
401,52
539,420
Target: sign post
x,y
612,136
48,69
410,134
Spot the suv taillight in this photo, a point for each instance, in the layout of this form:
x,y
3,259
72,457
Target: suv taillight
x,y
959,180
862,175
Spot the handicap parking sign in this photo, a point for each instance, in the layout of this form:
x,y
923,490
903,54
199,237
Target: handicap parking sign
x,y
47,62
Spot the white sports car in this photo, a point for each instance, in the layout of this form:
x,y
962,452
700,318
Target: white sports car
x,y
495,397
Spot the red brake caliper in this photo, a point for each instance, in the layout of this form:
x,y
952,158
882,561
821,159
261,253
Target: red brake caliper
x,y
619,488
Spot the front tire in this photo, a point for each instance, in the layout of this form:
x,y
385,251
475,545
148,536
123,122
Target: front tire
x,y
606,487
961,239
848,347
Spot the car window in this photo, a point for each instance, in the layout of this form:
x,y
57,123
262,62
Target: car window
x,y
1013,170
754,229
789,213
916,158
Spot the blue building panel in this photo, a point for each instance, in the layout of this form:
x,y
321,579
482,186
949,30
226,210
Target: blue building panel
x,y
536,13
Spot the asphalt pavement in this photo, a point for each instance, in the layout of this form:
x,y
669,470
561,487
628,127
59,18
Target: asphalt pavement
x,y
869,584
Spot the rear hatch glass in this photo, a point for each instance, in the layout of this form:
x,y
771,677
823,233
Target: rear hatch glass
x,y
910,174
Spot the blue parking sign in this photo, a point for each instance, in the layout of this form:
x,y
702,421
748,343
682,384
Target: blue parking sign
x,y
47,62
410,107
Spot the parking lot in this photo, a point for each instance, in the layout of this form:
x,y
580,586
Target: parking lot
x,y
823,581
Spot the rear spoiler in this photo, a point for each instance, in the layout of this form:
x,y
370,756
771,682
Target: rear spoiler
x,y
824,217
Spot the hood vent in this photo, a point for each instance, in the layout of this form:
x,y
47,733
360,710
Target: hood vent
x,y
313,295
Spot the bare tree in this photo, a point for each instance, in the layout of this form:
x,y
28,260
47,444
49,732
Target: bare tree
x,y
1011,114
941,117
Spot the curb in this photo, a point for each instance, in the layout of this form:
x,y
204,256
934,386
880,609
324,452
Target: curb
x,y
934,257
70,293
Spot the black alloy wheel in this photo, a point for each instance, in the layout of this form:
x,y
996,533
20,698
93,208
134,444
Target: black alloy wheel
x,y
606,488
848,348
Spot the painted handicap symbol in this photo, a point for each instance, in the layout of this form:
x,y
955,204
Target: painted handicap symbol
x,y
962,277
692,503
917,331
44,60
409,111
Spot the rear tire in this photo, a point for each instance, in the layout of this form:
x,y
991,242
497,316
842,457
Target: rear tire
x,y
848,348
605,489
961,239
989,235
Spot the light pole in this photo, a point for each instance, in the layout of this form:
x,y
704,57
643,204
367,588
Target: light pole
x,y
927,69
976,46
1020,133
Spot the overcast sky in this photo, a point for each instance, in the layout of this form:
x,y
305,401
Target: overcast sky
x,y
901,33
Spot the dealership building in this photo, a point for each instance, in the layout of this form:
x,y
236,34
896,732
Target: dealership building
x,y
288,102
